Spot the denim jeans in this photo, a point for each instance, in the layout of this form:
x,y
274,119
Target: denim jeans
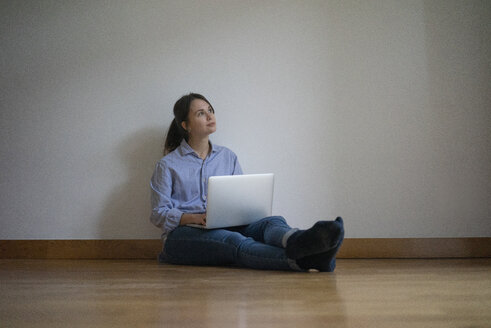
x,y
260,245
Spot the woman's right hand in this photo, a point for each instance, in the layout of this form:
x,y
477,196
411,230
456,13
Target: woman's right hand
x,y
187,218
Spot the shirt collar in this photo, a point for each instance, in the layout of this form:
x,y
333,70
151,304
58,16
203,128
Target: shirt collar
x,y
186,149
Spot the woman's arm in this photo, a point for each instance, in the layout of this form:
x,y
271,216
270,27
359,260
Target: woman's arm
x,y
164,214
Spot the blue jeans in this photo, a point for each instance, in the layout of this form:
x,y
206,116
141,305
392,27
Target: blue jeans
x,y
260,245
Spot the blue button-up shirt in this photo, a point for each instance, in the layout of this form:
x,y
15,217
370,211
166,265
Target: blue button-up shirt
x,y
180,182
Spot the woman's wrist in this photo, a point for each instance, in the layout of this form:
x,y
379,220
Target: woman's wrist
x,y
184,219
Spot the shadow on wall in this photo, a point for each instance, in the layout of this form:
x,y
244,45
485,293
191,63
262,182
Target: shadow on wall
x,y
127,210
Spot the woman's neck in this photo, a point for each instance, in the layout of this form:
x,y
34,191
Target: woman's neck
x,y
200,146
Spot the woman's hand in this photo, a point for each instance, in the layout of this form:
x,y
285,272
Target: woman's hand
x,y
188,218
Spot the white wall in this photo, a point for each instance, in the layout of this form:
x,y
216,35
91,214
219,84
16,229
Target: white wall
x,y
378,111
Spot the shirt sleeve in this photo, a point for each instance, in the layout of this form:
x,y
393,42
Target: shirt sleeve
x,y
237,168
164,214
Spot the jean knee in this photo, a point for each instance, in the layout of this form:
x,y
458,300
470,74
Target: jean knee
x,y
275,219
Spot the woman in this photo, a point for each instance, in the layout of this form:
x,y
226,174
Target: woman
x,y
179,187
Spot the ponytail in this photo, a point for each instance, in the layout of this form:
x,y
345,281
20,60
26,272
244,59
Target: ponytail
x,y
173,139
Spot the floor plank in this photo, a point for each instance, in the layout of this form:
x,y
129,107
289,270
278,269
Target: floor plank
x,y
141,293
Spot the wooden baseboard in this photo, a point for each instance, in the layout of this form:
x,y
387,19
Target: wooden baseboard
x,y
416,248
149,248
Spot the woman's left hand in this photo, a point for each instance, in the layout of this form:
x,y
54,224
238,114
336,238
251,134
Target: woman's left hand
x,y
187,218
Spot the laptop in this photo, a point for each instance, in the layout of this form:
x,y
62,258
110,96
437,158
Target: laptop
x,y
235,200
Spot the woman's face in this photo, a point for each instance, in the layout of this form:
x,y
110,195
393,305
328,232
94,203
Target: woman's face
x,y
201,120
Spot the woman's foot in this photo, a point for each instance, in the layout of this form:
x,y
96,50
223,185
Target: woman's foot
x,y
324,262
321,238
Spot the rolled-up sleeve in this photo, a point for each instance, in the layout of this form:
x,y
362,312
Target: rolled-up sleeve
x,y
164,214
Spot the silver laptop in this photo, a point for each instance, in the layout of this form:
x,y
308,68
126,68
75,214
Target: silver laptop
x,y
235,200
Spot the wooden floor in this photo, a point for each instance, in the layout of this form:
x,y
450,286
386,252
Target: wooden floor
x,y
132,293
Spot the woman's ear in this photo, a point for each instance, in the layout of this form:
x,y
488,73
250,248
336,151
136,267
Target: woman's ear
x,y
183,124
